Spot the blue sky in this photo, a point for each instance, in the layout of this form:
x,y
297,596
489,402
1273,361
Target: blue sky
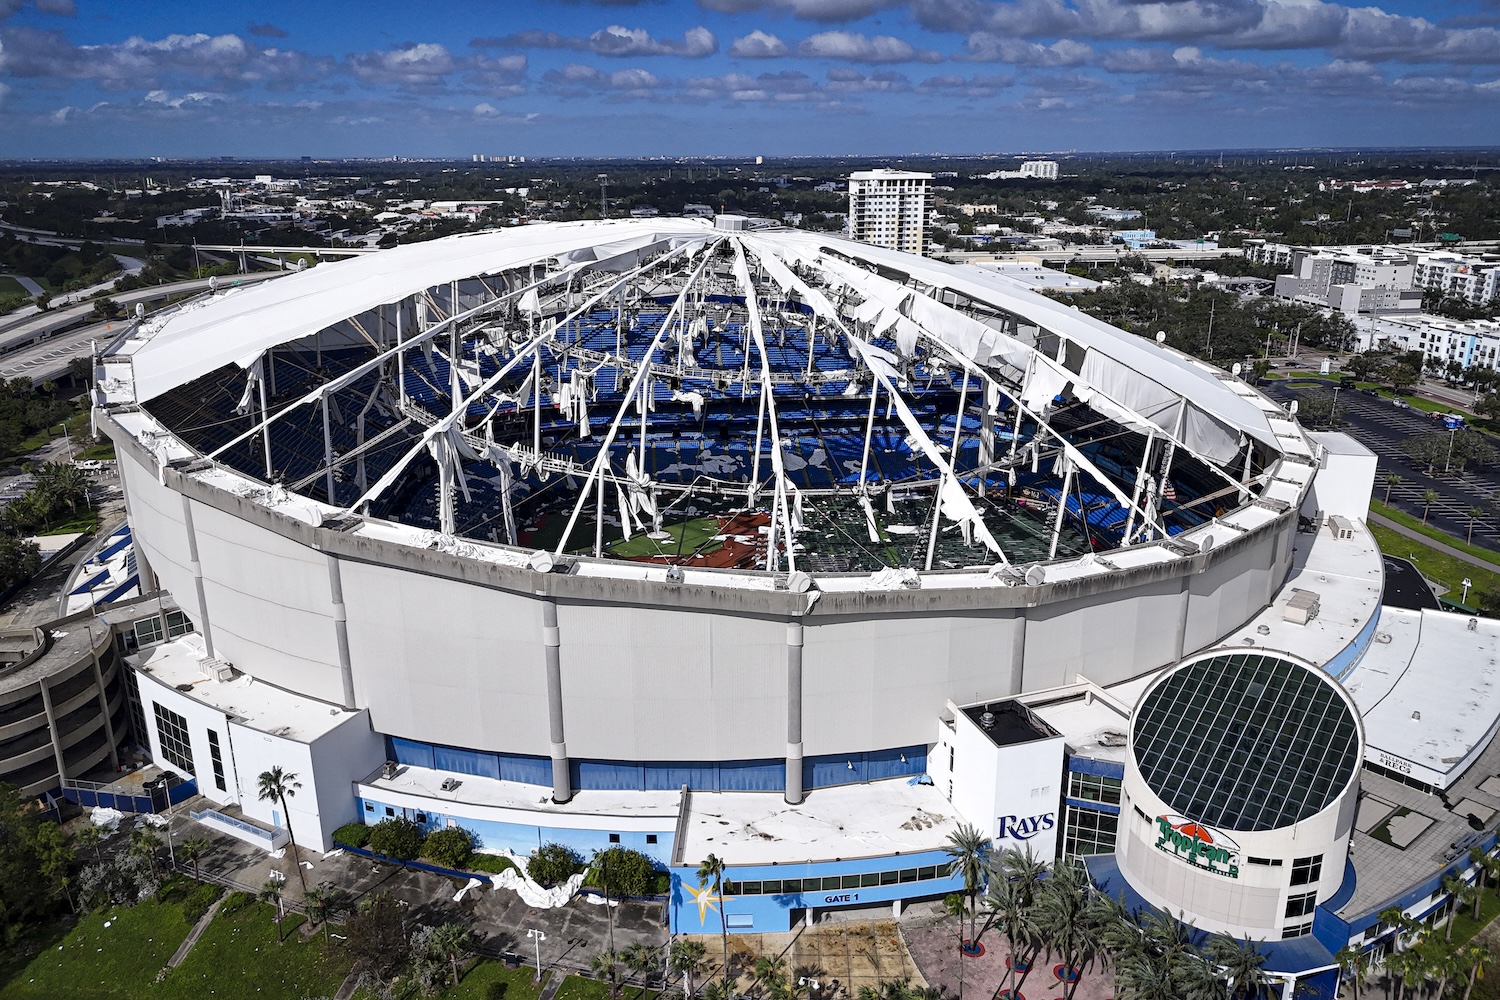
x,y
95,78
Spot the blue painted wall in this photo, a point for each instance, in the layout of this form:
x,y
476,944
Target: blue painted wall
x,y
761,912
524,838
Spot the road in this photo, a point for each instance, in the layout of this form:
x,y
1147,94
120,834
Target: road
x,y
1382,427
29,345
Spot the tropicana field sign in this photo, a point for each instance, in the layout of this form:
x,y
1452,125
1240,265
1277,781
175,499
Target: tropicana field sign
x,y
1200,846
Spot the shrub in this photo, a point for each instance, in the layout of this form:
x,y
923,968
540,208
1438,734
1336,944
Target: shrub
x,y
552,864
450,848
198,899
397,838
352,835
622,872
490,864
235,902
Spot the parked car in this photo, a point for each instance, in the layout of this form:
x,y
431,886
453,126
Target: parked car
x,y
1403,404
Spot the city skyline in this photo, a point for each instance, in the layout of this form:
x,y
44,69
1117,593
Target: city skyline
x,y
741,77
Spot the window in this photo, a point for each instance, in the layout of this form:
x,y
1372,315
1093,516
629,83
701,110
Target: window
x,y
1086,831
614,838
369,807
1296,930
1307,871
650,838
172,733
1269,862
148,630
834,883
1301,904
217,759
177,624
389,811
1093,788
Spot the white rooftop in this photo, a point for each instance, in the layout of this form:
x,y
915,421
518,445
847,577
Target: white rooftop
x,y
846,821
1094,722
265,707
1431,694
477,794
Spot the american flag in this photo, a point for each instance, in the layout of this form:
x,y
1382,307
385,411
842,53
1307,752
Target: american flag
x,y
1169,492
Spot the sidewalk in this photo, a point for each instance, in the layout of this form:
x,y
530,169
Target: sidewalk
x,y
1433,543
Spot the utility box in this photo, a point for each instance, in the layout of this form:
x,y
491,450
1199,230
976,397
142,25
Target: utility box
x,y
1302,608
1340,526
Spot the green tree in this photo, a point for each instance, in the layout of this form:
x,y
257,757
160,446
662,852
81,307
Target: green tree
x,y
553,864
606,965
145,845
1391,482
55,859
1460,894
321,901
396,837
272,891
1476,958
641,959
1428,498
451,943
88,838
970,851
376,936
1353,964
451,847
1242,964
277,786
688,959
1071,918
193,849
1403,377
712,871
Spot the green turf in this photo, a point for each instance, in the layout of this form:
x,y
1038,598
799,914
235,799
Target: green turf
x,y
1438,566
95,962
238,957
480,983
104,451
580,988
687,538
1414,523
10,286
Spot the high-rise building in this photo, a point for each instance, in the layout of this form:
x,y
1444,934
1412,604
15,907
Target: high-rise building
x,y
889,208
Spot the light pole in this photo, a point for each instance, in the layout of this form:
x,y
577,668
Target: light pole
x,y
538,937
1451,432
1467,584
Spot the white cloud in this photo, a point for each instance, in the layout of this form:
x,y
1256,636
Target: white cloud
x,y
758,45
827,11
415,65
854,47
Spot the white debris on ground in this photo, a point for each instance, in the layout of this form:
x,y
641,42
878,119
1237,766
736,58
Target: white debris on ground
x,y
473,883
279,853
106,819
598,900
531,892
151,819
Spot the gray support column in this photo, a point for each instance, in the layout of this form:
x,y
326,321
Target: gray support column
x,y
794,791
109,725
57,754
562,781
197,568
1018,653
341,628
1184,606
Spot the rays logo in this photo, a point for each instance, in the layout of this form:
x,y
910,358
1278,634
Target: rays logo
x,y
1025,827
1200,846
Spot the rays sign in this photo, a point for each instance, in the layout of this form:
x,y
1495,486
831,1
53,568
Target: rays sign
x,y
1200,846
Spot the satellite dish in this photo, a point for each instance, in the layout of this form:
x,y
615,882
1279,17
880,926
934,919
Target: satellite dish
x,y
1235,369
140,310
1161,336
1036,576
798,582
213,283
1292,408
541,560
1206,544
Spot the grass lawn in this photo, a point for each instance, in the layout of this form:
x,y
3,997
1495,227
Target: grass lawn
x,y
491,980
1415,523
95,962
10,286
238,957
104,451
1465,926
1438,566
86,519
580,988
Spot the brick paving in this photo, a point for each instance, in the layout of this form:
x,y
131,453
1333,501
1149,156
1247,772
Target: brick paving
x,y
933,942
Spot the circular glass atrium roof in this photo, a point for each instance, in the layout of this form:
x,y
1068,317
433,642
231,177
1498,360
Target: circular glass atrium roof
x,y
1246,741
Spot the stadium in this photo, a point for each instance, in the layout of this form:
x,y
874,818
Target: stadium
x,y
708,537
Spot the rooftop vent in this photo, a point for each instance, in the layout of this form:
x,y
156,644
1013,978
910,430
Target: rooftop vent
x,y
987,720
1341,527
1302,608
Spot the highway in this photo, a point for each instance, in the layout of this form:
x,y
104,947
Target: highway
x,y
39,347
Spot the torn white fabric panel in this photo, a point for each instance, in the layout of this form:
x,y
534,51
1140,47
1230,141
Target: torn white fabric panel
x,y
1043,383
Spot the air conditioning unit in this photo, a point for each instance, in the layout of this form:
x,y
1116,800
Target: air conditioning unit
x,y
1302,608
216,669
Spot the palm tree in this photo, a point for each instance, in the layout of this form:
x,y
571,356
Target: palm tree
x,y
770,970
607,964
1007,906
953,905
193,849
1391,481
88,837
716,989
1071,917
1195,978
1460,894
1142,978
451,942
1241,962
320,902
271,892
144,845
712,870
1488,868
603,868
277,786
1429,497
687,958
1476,958
970,851
1443,965
641,959
1353,963
1475,513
